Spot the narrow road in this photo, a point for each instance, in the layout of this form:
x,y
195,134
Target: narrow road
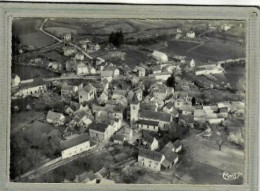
x,y
60,40
49,34
72,78
57,163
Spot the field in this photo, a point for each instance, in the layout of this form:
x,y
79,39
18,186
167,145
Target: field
x,y
36,39
61,31
29,72
199,161
125,55
24,26
220,50
29,34
179,47
217,50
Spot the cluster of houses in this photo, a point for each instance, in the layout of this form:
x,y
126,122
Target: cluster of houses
x,y
95,111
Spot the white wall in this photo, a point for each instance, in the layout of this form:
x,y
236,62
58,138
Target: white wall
x,y
76,149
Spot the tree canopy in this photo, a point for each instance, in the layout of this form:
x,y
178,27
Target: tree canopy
x,y
116,38
171,81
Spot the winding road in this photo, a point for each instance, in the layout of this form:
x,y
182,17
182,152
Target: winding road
x,y
60,40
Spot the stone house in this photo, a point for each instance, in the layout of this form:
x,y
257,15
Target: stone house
x,y
75,145
55,118
150,159
87,93
101,131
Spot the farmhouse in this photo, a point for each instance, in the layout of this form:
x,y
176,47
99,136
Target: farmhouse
x,y
150,159
72,108
67,37
103,97
160,56
87,93
171,158
15,80
140,71
174,147
75,145
82,69
178,36
68,90
169,107
150,142
101,131
116,123
111,71
161,76
79,56
190,34
209,69
69,51
118,139
32,87
91,70
81,119
156,69
55,118
192,63
55,65
223,112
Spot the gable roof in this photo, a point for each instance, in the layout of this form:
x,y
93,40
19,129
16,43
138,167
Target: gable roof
x,y
148,122
101,127
54,115
119,137
88,88
134,100
169,155
154,115
153,155
148,106
74,106
32,83
74,141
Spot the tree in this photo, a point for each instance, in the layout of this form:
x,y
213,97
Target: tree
x,y
193,101
171,81
220,142
15,44
116,38
220,137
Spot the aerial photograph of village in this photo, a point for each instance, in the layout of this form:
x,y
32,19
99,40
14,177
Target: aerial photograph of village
x,y
128,101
